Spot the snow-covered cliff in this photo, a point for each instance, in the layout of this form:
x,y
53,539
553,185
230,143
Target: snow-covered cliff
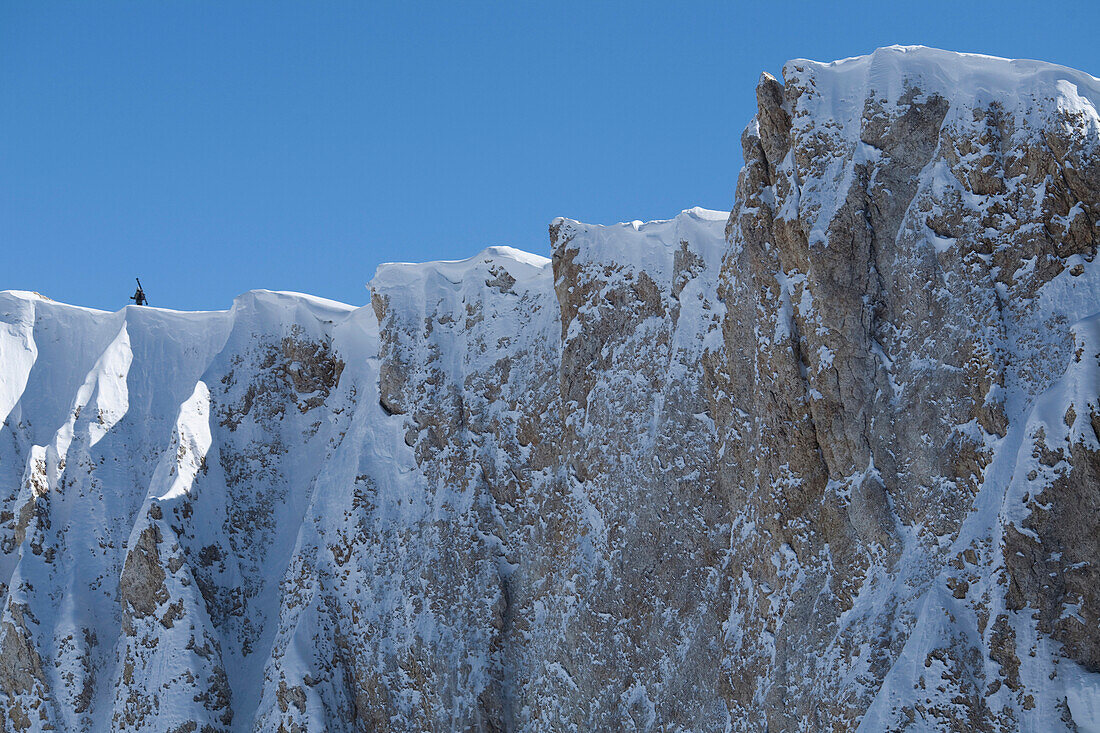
x,y
828,461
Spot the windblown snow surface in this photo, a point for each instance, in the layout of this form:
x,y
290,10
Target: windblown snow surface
x,y
828,461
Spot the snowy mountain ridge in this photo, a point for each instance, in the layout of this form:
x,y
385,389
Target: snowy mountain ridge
x,y
826,461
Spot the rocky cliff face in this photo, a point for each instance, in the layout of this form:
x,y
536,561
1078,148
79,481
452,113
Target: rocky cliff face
x,y
827,462
911,263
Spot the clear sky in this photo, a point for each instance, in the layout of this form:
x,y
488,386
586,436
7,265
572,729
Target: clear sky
x,y
215,147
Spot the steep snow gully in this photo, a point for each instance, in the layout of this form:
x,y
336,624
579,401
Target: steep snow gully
x,y
829,461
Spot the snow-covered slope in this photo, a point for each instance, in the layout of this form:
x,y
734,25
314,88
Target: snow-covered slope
x,y
157,470
828,461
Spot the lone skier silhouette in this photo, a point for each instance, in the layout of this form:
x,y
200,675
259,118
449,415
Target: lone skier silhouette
x,y
139,297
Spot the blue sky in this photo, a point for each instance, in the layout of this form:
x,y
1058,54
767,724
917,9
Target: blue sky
x,y
215,147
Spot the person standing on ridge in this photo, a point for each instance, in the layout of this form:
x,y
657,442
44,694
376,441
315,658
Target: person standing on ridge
x,y
139,297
